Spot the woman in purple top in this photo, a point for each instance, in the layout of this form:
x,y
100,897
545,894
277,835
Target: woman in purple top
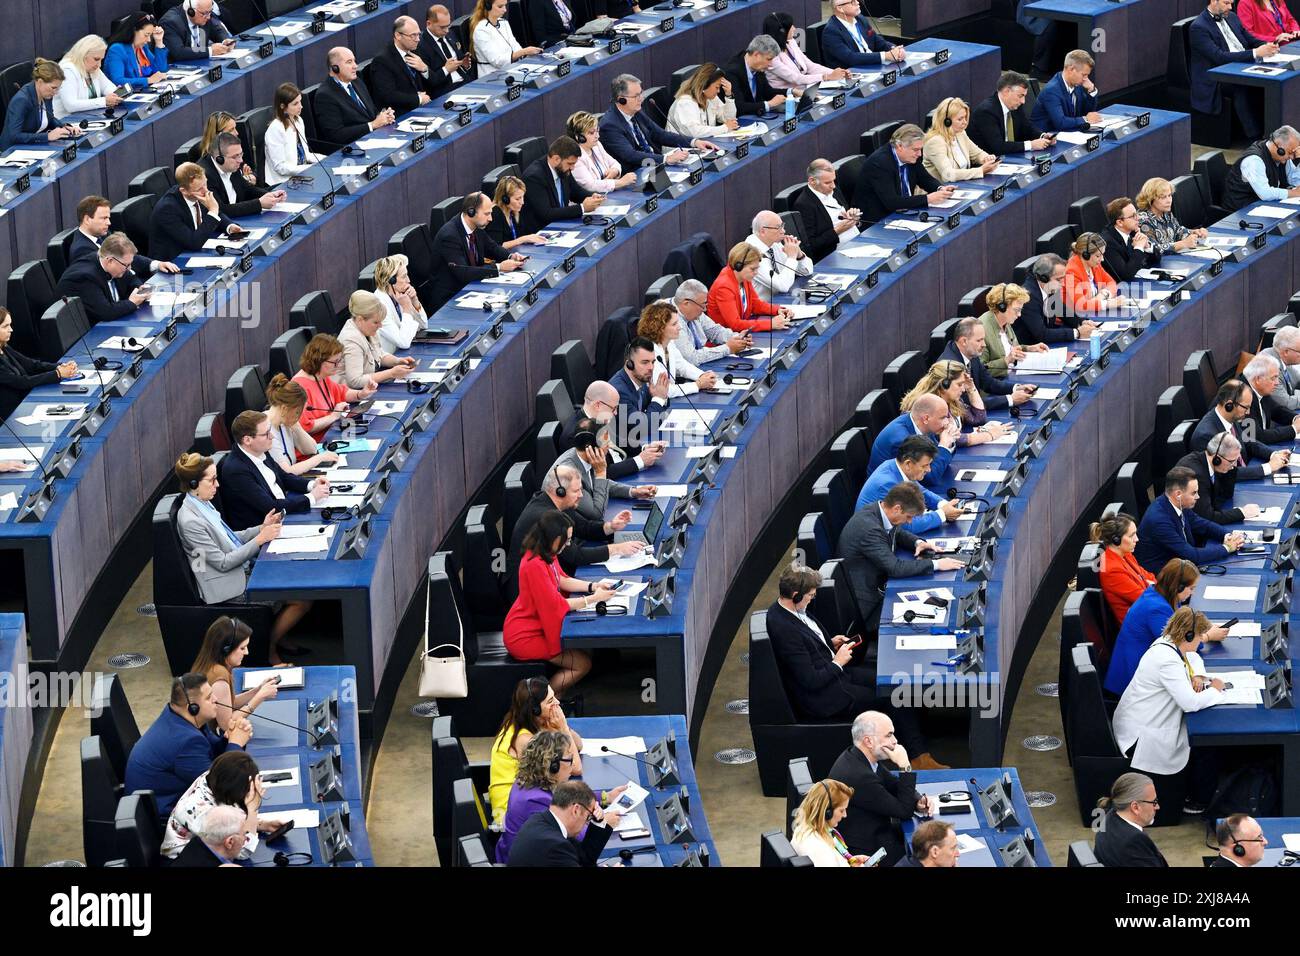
x,y
549,759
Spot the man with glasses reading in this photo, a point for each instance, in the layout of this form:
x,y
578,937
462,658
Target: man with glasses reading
x,y
1129,810
253,483
551,838
699,338
399,78
600,402
1128,249
848,40
633,138
106,285
1285,350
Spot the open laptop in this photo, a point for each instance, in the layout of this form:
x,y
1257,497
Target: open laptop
x,y
653,522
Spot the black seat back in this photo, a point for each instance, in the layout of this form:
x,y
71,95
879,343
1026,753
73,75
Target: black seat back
x,y
468,817
834,604
1080,854
138,829
974,303
553,402
1058,239
798,781
287,349
1189,202
876,137
245,390
1177,444
846,171
188,151
251,127
1212,166
442,212
813,540
315,310
101,789
56,251
1201,380
903,373
211,434
851,452
1131,488
768,701
522,152
113,722
416,243
449,618
940,336
62,326
784,200
834,497
31,291
151,182
1087,215
546,447
519,487
449,765
1172,407
662,288
132,216
571,365
173,581
775,850
1269,327
876,410
482,574
494,175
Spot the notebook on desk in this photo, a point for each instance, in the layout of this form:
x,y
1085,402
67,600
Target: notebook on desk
x,y
426,335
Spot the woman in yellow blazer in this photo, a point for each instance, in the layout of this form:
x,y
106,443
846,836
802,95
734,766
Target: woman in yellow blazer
x,y
1001,347
950,156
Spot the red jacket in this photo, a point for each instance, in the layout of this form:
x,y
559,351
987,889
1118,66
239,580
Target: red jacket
x,y
1076,292
532,628
1259,21
1122,581
724,304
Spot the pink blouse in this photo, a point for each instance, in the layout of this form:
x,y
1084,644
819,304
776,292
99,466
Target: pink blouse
x,y
793,68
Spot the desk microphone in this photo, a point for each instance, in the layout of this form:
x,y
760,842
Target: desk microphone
x,y
100,364
1246,224
652,766
315,740
713,439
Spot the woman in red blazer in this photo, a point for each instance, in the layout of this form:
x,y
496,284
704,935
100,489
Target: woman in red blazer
x,y
1269,20
1122,579
1088,287
732,299
532,628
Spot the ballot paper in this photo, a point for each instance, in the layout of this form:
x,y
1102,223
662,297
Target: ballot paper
x,y
918,56
468,99
741,132
291,208
168,300
613,209
562,238
625,745
1258,70
382,142
291,531
622,563
1247,687
1244,629
290,781
1047,394
232,54
1115,326
209,262
926,642
336,501
678,175
429,378
631,798
908,225
945,203
290,677
304,818
832,280
687,420
629,821
969,844
671,491
699,451
20,454
394,407
46,413
1221,592
140,98
867,250
1280,58
253,238
571,52
31,155
1011,169
518,277
1270,212
350,169
981,474
340,475
316,545
286,29
1076,138
1225,242
1051,362
8,501
476,301
1271,516
806,311
924,594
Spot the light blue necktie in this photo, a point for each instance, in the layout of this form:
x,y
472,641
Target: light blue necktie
x,y
234,538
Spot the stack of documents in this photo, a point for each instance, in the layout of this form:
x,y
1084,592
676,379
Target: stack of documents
x,y
688,420
1051,362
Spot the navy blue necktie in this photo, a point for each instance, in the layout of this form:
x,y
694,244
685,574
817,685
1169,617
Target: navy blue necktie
x,y
640,138
902,172
355,98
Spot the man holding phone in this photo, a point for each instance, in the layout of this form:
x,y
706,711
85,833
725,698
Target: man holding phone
x,y
449,65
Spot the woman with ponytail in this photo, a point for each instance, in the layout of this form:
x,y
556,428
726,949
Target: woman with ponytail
x,y
291,447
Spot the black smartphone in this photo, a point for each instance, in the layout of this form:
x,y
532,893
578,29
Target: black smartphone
x,y
278,832
276,776
1229,624
75,389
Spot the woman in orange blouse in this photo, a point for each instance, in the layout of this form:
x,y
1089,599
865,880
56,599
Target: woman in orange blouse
x,y
1122,579
732,299
1088,287
532,628
327,400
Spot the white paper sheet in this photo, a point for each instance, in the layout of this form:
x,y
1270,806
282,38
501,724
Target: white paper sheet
x,y
1269,212
1271,516
20,454
1220,592
315,545
338,501
382,142
350,169
671,491
290,677
866,251
210,262
303,819
687,420
1245,629
981,474
1075,138
628,745
8,501
699,451
1037,363
926,642
292,208
908,225
621,564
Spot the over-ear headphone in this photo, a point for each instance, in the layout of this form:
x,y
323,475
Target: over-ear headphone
x,y
622,101
947,112
534,698
830,802
190,706
949,376
229,642
560,490
585,439
628,365
334,68
189,7
1216,443
1000,291
194,483
554,767
1237,848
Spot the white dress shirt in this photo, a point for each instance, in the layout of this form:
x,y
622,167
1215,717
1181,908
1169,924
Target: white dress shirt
x,y
224,176
493,46
1006,114
769,282
1234,45
678,368
259,462
834,210
688,118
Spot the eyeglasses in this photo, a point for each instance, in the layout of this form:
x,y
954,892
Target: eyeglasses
x,y
694,302
265,434
1154,803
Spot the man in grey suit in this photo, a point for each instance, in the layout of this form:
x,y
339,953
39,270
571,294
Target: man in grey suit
x,y
867,546
699,338
1286,352
588,457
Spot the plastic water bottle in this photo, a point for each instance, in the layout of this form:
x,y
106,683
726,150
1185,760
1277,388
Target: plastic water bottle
x,y
789,106
1094,346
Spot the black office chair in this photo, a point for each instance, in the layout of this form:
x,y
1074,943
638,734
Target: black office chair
x,y
1201,381
697,257
520,24
61,327
846,172
152,182
1177,444
1268,329
493,176
188,151
546,447
138,830
1212,168
245,391
56,252
1097,760
416,243
251,127
315,310
287,349
1189,201
520,485
903,373
552,403
571,364
1020,274
31,291
522,152
798,781
1058,240
656,101
940,336
101,789
1087,573
778,736
211,434
851,451
681,75
461,25
443,211
812,38
876,410
835,606
113,722
833,496
12,79
973,304
1172,407
483,579
366,278
813,540
662,288
1178,80
471,851
1131,484
1087,215
449,765
468,818
132,217
792,220
877,136
1080,854
785,199
775,851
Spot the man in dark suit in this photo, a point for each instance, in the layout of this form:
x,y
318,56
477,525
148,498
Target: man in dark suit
x,y
191,32
253,484
748,75
1068,103
1215,469
187,216
105,284
965,347
551,20
1171,528
1241,841
464,253
402,79
868,543
1234,411
601,402
828,220
631,137
1217,37
550,838
217,840
1128,248
94,219
551,191
1120,840
450,66
1275,423
881,800
236,196
998,125
343,107
849,42
1038,320
891,175
642,389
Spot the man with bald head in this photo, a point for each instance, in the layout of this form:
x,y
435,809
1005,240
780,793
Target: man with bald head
x,y
344,107
450,65
600,402
194,32
929,417
400,77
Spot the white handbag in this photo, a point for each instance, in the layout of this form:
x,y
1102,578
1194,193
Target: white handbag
x,y
443,677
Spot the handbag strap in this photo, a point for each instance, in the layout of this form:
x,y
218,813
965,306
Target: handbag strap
x,y
428,652
460,627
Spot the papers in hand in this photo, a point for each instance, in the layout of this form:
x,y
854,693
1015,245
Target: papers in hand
x,y
630,799
699,451
926,642
1271,516
289,677
1220,592
622,563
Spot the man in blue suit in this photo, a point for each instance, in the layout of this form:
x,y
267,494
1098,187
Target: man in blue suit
x,y
1068,102
966,345
179,746
1171,528
912,462
1217,37
640,391
631,137
252,483
929,417
848,40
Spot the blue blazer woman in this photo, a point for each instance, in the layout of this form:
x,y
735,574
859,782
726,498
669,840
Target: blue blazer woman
x,y
24,118
121,66
1145,622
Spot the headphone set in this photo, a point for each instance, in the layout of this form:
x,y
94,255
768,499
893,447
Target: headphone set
x,y
534,698
946,106
604,610
190,707
340,514
584,439
1216,443
230,641
830,802
949,376
560,490
1115,539
1000,306
554,767
418,388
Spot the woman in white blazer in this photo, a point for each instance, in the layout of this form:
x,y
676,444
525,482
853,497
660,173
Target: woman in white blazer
x,y
1170,682
814,834
404,316
286,138
596,170
698,110
950,156
85,87
495,46
659,323
792,69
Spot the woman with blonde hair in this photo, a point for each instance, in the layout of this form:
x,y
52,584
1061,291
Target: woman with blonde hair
x,y
404,316
597,171
291,447
507,205
364,359
1156,219
698,110
951,382
29,119
659,323
733,301
950,155
86,88
1002,349
814,834
216,124
1088,287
